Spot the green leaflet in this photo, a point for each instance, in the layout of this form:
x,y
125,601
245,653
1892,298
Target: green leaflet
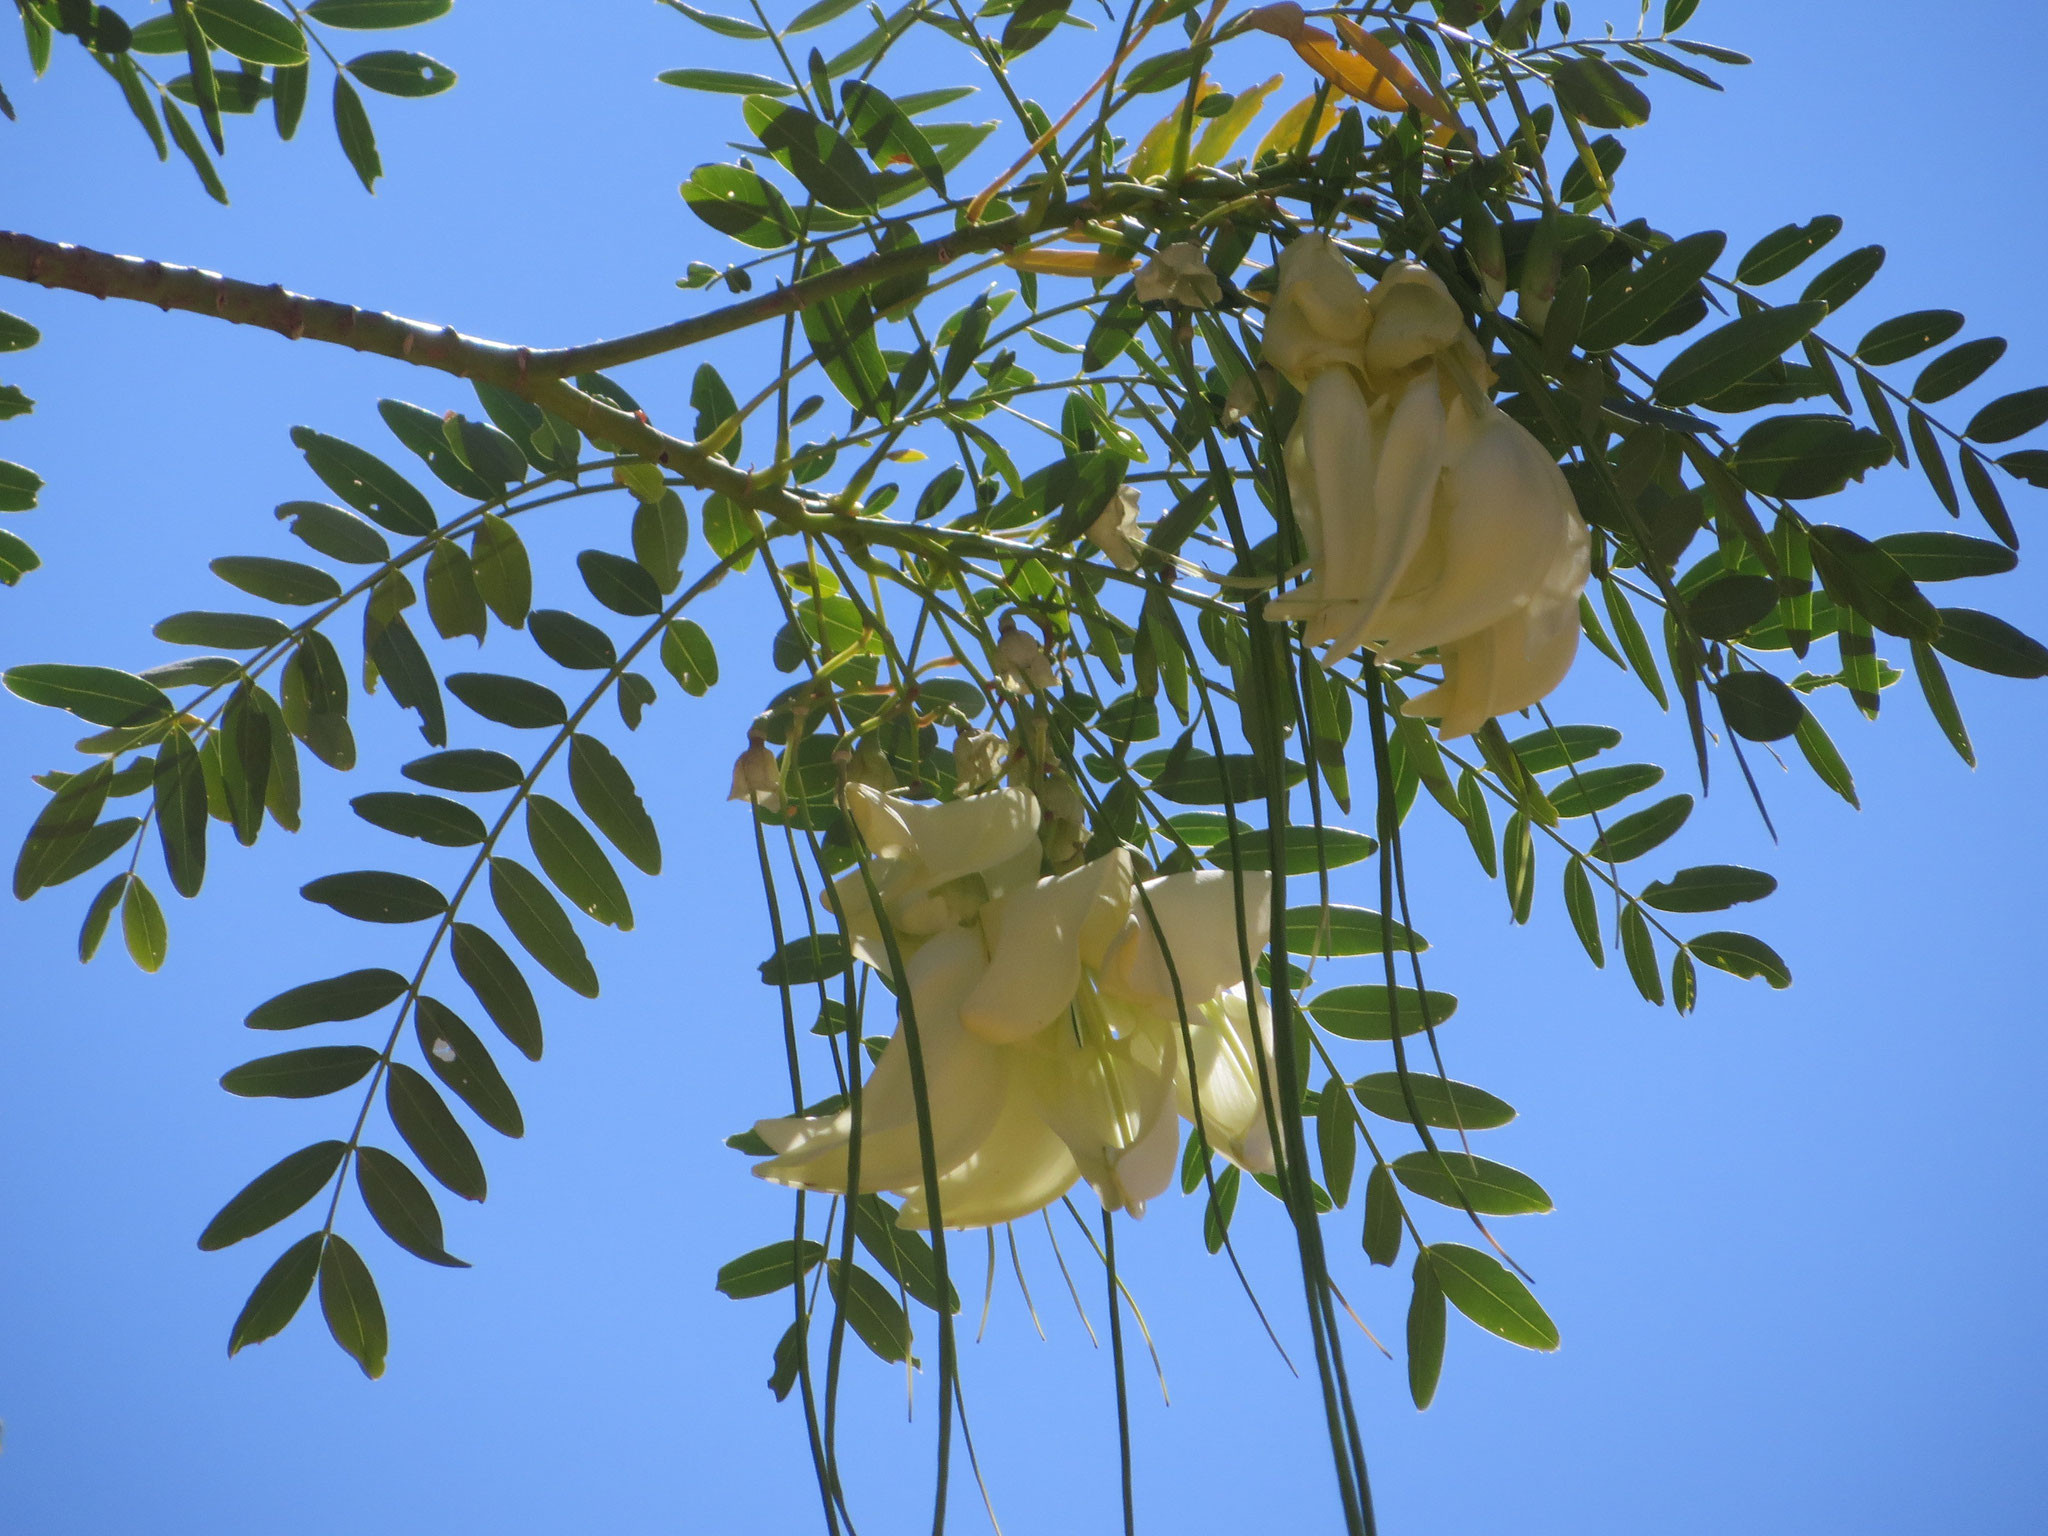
x,y
1482,1288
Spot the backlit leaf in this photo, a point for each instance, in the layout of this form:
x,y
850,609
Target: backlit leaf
x,y
308,1074
540,925
430,1128
605,791
396,72
1482,1288
491,974
1741,955
274,1194
1635,835
768,1269
430,818
1368,1013
377,896
349,1302
278,1295
1490,1188
1449,1105
351,995
461,1061
400,1204
1709,888
574,861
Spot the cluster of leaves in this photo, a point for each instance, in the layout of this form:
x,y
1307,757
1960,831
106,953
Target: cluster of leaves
x,y
1181,723
238,54
20,486
230,750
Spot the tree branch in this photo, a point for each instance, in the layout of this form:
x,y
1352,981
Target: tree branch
x,y
296,316
538,375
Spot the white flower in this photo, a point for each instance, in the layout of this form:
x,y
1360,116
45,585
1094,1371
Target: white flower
x,y
1432,520
1178,275
1053,1045
1115,530
755,777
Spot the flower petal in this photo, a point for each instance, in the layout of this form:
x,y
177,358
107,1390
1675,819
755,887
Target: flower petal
x,y
1413,317
964,1077
963,837
1105,1103
1334,468
1041,936
1507,667
1503,517
1320,316
1196,914
1145,1169
1405,473
1020,1168
878,816
1225,1077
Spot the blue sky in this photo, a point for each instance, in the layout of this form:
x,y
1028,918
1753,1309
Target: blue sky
x,y
1792,1258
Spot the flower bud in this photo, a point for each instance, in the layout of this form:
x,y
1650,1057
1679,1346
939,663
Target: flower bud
x,y
978,758
1242,400
1540,266
755,777
868,764
1320,316
1063,817
1178,275
1021,662
1483,248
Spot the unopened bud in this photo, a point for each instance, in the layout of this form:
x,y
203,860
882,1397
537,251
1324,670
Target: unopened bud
x,y
868,764
1540,266
1062,822
1247,390
1483,248
1021,662
755,777
1179,275
978,758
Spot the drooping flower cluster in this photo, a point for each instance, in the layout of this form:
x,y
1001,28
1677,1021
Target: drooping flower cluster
x,y
1047,1022
1432,519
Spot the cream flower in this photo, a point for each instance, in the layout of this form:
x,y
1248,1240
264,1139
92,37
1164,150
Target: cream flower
x,y
1053,1043
1178,275
1432,520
